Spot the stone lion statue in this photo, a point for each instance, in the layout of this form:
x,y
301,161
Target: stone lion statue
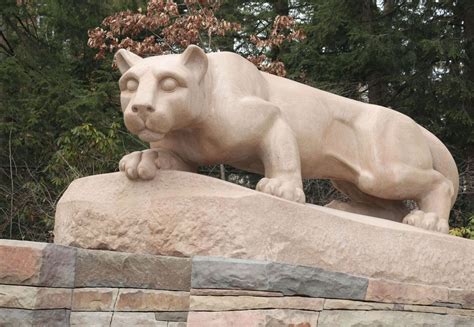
x,y
200,109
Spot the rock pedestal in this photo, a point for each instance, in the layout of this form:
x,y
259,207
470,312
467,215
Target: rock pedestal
x,y
185,214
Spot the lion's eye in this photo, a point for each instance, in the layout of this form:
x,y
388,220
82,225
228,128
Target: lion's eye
x,y
132,84
168,84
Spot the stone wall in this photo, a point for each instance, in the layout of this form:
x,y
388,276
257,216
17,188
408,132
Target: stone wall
x,y
52,285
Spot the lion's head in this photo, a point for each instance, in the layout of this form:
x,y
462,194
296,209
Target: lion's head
x,y
163,93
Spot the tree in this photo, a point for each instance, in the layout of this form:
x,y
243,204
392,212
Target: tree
x,y
59,119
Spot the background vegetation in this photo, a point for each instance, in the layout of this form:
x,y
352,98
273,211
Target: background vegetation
x,y
60,116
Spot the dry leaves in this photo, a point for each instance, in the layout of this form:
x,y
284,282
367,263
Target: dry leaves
x,y
165,28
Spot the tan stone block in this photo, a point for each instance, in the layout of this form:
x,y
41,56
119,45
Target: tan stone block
x,y
83,319
20,262
53,298
30,297
225,303
94,299
22,297
254,318
176,324
142,319
331,304
223,292
463,297
425,308
461,312
385,291
152,300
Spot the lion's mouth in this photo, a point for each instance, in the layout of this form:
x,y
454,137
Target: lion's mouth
x,y
150,136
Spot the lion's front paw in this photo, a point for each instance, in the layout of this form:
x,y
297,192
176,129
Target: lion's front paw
x,y
282,188
140,164
429,221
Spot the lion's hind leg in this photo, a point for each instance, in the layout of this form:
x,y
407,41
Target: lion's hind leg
x,y
365,204
430,189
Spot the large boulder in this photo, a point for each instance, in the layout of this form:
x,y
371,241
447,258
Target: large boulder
x,y
185,214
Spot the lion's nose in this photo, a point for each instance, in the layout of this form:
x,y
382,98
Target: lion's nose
x,y
142,109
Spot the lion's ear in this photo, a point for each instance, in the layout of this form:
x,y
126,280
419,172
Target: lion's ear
x,y
195,60
126,59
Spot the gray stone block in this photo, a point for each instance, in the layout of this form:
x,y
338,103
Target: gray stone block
x,y
447,305
315,282
21,317
222,273
58,266
51,318
171,316
16,317
95,268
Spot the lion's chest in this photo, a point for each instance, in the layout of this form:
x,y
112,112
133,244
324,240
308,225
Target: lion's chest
x,y
204,147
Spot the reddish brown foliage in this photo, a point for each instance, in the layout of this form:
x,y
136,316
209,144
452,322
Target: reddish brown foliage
x,y
164,29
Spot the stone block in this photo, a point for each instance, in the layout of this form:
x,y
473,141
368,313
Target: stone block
x,y
331,318
53,298
425,308
226,273
232,303
315,282
331,304
134,270
57,269
177,324
23,317
385,291
152,300
288,279
21,297
142,319
94,299
30,297
172,316
51,318
463,297
254,318
39,264
230,292
447,305
461,312
15,317
20,262
82,319
184,214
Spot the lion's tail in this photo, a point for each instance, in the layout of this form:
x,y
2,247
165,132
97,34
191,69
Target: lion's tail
x,y
443,161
